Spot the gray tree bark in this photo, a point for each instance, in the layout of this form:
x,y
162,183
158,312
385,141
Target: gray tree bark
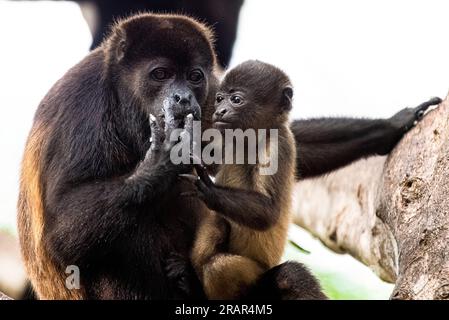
x,y
390,213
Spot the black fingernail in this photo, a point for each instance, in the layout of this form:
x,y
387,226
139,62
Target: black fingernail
x,y
420,114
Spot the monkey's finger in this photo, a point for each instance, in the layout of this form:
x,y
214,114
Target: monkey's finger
x,y
421,109
197,114
152,121
195,159
170,122
203,189
201,196
187,133
149,156
189,177
156,134
168,109
190,194
201,169
188,123
203,175
153,128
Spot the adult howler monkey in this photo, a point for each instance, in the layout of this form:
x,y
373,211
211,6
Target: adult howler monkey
x,y
89,195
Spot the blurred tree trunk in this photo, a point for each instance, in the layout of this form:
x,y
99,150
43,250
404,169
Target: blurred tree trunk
x,y
390,213
12,273
4,297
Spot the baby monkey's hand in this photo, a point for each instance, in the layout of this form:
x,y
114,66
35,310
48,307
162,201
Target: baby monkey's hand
x,y
203,186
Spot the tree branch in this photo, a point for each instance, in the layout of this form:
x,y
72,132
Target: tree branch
x,y
390,213
4,296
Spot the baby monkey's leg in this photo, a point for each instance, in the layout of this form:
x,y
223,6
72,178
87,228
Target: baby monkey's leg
x,y
228,276
212,237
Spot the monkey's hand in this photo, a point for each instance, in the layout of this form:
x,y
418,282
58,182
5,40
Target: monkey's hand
x,y
158,157
204,187
403,121
175,114
183,141
181,276
407,118
156,140
171,120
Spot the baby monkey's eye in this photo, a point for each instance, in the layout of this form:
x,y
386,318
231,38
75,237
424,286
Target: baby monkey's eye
x,y
219,98
236,99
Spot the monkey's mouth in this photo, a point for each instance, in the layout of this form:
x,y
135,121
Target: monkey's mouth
x,y
180,122
176,122
221,125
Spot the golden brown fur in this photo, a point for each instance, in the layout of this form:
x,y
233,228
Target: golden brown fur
x,y
250,252
230,260
47,279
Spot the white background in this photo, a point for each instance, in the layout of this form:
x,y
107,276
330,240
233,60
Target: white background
x,y
346,57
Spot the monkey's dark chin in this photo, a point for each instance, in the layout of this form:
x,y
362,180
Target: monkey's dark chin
x,y
220,125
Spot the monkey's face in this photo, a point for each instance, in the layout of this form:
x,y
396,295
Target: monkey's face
x,y
169,89
253,95
232,110
166,65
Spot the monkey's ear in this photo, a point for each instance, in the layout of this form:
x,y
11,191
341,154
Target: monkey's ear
x,y
119,44
120,50
287,97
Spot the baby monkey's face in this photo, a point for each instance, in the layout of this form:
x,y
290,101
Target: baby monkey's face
x,y
230,109
240,108
253,95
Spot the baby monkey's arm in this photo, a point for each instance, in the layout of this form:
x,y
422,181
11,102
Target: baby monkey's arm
x,y
249,208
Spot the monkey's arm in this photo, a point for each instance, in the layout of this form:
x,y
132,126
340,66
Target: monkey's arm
x,y
85,219
327,144
249,208
88,218
245,207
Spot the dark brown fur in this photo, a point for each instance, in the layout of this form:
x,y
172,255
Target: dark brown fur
x,y
77,205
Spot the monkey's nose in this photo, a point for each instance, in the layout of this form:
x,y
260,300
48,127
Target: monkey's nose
x,y
219,113
182,98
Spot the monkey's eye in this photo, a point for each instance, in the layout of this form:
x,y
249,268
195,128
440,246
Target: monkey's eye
x,y
219,98
196,76
160,74
236,99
